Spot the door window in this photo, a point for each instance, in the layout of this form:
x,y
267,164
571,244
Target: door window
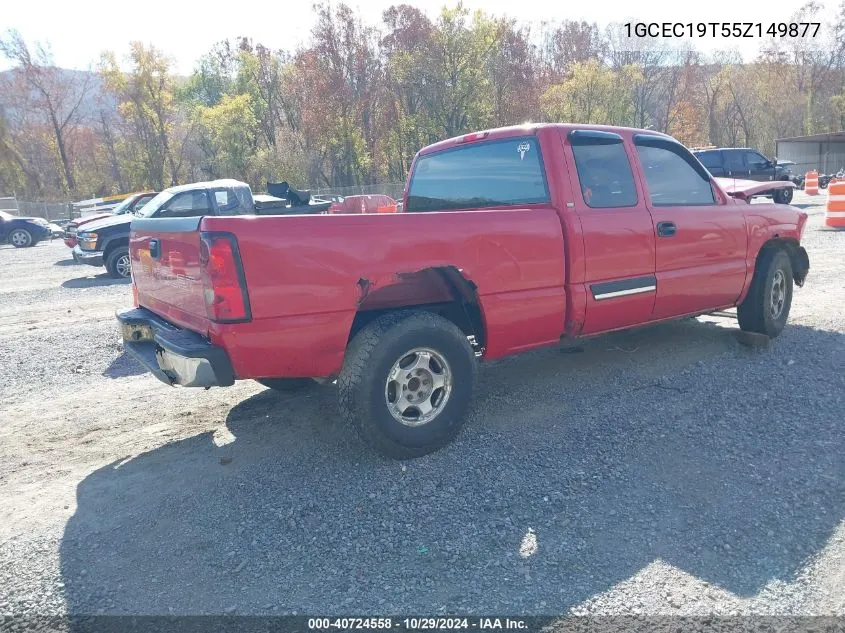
x,y
604,171
673,176
756,162
734,161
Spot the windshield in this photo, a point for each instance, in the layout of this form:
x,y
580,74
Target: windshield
x,y
123,207
154,205
5,216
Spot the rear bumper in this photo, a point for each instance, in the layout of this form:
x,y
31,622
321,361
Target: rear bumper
x,y
92,258
174,356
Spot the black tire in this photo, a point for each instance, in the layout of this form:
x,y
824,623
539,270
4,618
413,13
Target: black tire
x,y
364,390
757,311
783,196
21,238
287,385
117,263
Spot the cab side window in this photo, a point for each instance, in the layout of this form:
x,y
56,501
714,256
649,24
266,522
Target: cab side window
x,y
735,161
756,161
186,204
710,159
673,176
604,172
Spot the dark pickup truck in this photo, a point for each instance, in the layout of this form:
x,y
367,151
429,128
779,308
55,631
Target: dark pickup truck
x,y
744,163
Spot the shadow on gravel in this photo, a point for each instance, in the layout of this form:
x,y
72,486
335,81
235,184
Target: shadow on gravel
x,y
98,280
66,262
123,366
672,443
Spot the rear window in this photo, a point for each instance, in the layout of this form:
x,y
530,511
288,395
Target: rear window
x,y
233,201
710,159
489,174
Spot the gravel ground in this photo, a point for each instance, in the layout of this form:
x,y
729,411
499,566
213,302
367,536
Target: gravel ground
x,y
668,470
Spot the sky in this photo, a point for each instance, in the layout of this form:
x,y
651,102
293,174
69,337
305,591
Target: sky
x,y
79,30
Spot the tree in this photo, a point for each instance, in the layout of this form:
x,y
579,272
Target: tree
x,y
459,86
593,94
407,118
232,130
147,103
55,94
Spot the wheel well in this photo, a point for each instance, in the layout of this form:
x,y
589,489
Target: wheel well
x,y
122,241
441,290
797,256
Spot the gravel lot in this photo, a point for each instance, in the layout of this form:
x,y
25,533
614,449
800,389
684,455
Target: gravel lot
x,y
662,471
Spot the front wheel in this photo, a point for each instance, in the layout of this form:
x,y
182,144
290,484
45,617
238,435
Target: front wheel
x,y
766,307
117,263
21,238
406,383
783,196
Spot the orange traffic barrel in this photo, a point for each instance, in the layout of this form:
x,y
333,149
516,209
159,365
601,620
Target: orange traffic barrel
x,y
834,212
811,183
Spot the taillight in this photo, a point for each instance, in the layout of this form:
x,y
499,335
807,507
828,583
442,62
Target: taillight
x,y
475,136
224,285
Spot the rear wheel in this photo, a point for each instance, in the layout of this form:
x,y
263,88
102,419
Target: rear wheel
x,y
766,308
117,263
21,238
783,196
406,383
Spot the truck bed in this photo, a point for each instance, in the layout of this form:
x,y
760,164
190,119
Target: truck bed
x,y
307,276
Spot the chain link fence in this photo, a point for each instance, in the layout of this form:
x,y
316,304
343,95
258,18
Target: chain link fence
x,y
48,210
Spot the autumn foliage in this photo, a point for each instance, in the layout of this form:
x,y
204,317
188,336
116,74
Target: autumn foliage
x,y
354,105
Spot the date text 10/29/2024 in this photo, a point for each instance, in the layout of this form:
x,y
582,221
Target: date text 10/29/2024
x,y
417,624
721,29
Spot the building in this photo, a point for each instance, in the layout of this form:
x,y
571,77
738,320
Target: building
x,y
823,152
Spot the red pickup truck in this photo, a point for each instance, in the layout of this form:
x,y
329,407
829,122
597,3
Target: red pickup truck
x,y
509,240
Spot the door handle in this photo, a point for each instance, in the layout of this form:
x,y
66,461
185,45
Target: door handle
x,y
155,249
666,229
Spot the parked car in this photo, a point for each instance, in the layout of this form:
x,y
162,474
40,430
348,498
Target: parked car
x,y
747,164
23,232
510,239
105,241
130,205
